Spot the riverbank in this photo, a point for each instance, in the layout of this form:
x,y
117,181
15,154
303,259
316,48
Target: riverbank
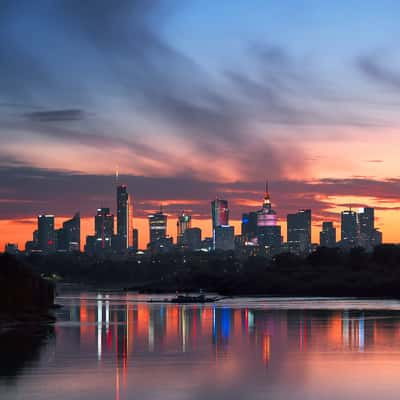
x,y
25,298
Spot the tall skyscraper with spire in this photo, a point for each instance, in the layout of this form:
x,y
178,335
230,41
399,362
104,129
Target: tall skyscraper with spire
x,y
123,217
268,231
266,216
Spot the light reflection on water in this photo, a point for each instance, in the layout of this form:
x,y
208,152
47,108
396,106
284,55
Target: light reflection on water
x,y
121,347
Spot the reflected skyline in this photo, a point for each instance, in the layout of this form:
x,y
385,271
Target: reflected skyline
x,y
108,347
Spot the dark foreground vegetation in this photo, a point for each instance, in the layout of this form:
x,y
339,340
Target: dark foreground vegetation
x,y
326,272
24,295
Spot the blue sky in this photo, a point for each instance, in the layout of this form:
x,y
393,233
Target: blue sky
x,y
218,93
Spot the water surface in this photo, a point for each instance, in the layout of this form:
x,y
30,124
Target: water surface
x,y
122,347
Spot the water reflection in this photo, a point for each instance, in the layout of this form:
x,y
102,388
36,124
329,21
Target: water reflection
x,y
121,349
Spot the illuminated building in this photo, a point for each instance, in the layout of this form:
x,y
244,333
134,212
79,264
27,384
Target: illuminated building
x,y
299,232
224,238
249,225
123,217
266,216
327,237
46,234
192,238
157,226
369,236
184,223
220,218
268,231
349,229
220,213
69,236
207,244
104,229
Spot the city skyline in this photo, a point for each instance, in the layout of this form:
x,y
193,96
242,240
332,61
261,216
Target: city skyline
x,y
260,227
300,98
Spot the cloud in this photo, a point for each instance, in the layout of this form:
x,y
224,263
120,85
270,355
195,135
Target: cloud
x,y
29,191
56,115
375,71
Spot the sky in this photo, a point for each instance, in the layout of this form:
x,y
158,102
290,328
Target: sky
x,y
196,99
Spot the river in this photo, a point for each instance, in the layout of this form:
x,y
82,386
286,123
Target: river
x,y
120,346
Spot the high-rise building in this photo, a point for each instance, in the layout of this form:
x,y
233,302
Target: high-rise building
x,y
90,245
299,232
46,234
104,229
327,237
135,239
69,236
349,229
268,232
366,227
220,217
157,226
192,238
184,223
124,216
224,238
249,225
220,213
377,238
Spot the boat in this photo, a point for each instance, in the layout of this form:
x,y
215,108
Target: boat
x,y
184,299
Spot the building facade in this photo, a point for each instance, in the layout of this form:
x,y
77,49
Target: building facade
x,y
327,237
349,229
46,237
184,223
104,230
124,217
157,226
299,232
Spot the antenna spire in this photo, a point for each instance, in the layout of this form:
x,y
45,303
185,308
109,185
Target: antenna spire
x,y
267,200
116,175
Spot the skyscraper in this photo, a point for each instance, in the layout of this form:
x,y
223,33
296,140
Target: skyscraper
x,y
135,239
366,226
220,217
268,231
224,238
157,226
192,238
327,237
349,229
69,236
104,229
184,223
220,213
266,216
46,234
249,225
123,217
299,232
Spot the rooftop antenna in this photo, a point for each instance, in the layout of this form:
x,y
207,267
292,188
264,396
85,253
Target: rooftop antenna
x,y
116,175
